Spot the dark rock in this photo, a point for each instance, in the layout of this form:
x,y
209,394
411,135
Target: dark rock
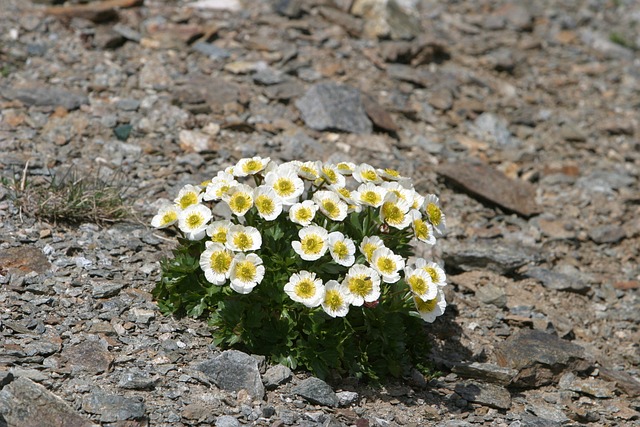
x,y
211,50
590,386
127,32
88,356
22,260
378,115
111,408
137,380
284,91
529,420
330,106
607,233
625,382
503,258
288,8
275,376
492,294
40,95
558,281
24,403
549,413
486,372
317,392
492,186
105,289
490,395
540,358
233,370
127,104
418,76
268,76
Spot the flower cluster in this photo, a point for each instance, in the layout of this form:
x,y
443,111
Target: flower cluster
x,y
345,221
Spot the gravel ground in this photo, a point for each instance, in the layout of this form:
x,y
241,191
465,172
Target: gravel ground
x,y
522,116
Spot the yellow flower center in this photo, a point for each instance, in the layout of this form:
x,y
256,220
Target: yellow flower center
x,y
252,166
418,284
222,190
246,271
312,244
221,261
333,299
421,229
368,249
344,193
242,241
386,265
371,197
240,202
392,172
169,217
343,167
370,175
303,214
284,187
220,236
194,220
308,171
434,213
330,174
360,285
331,208
265,204
432,272
305,288
426,306
392,213
188,200
340,250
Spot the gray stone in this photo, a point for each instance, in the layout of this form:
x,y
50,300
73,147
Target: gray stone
x,y
227,421
234,370
492,294
317,392
607,233
142,315
112,408
330,106
558,281
24,403
624,381
529,420
105,289
486,372
540,358
275,376
40,95
347,398
288,8
548,413
127,104
88,356
491,395
504,258
492,128
590,386
211,50
268,76
137,380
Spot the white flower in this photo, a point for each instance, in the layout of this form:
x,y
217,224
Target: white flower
x,y
219,185
422,230
305,288
369,245
309,170
167,215
216,262
218,231
239,198
435,271
331,175
369,194
434,214
395,211
387,264
431,309
313,243
247,271
336,299
193,221
188,195
286,184
303,213
366,173
363,284
243,239
267,202
400,191
391,175
420,283
418,201
346,168
342,249
331,205
250,166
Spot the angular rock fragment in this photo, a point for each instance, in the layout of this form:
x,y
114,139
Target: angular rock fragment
x,y
317,391
492,186
540,358
501,258
490,395
485,372
89,357
112,408
330,106
24,403
234,370
558,281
